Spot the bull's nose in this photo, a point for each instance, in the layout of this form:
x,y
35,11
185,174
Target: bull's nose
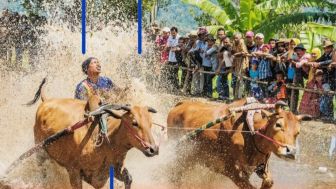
x,y
290,152
152,150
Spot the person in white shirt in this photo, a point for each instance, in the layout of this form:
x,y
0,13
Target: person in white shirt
x,y
222,70
171,71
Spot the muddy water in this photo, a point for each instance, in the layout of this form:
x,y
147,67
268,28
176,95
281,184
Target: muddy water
x,y
116,52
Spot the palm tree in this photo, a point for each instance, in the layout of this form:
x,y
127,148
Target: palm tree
x,y
266,16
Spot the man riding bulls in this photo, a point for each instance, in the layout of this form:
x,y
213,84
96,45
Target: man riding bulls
x,y
94,84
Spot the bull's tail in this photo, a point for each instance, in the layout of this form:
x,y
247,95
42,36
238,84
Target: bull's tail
x,y
39,93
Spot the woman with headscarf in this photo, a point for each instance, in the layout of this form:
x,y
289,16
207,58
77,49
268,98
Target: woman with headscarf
x,y
315,54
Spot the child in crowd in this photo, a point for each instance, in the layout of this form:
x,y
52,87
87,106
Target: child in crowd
x,y
277,89
326,104
256,91
310,103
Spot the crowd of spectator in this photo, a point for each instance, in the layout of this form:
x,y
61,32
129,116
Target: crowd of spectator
x,y
19,32
278,63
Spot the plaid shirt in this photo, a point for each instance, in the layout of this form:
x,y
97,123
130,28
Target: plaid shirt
x,y
87,87
264,69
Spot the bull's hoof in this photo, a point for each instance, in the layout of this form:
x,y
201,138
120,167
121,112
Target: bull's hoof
x,y
267,183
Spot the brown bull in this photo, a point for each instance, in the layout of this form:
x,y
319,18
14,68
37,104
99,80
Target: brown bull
x,y
235,154
78,153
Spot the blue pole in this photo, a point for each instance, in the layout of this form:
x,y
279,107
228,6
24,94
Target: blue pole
x,y
139,26
111,177
83,26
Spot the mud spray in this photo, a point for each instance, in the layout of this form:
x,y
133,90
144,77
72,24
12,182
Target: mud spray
x,y
117,53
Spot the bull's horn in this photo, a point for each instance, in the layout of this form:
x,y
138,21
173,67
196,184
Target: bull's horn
x,y
304,117
150,109
279,105
126,108
117,116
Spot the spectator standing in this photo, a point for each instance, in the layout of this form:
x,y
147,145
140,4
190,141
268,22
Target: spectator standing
x,y
264,65
198,51
301,72
310,101
209,64
171,73
161,42
250,45
223,69
240,64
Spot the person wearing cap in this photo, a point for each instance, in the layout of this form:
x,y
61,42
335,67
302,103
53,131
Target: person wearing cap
x,y
259,41
190,61
94,84
199,52
279,56
249,38
310,101
325,60
299,61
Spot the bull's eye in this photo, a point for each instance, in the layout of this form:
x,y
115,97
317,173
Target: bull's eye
x,y
135,123
278,125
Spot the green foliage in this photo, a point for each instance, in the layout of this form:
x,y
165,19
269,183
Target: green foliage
x,y
266,16
322,29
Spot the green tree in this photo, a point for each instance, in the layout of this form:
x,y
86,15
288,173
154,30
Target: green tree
x,y
266,16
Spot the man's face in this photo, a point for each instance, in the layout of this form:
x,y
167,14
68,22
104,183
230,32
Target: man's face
x,y
259,41
328,49
279,77
201,37
211,42
180,42
300,52
173,33
319,78
249,39
165,34
281,47
94,67
226,42
236,39
221,34
272,43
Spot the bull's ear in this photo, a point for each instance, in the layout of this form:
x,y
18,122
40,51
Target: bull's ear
x,y
266,113
150,109
110,112
304,117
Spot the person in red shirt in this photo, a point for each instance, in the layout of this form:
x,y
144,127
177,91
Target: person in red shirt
x,y
310,101
161,42
277,89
